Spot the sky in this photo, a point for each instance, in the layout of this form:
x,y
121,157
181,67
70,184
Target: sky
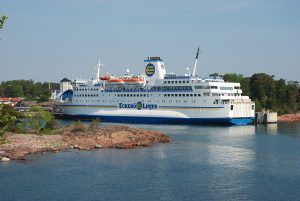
x,y
52,39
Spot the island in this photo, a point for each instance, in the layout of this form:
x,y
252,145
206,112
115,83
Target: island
x,y
80,137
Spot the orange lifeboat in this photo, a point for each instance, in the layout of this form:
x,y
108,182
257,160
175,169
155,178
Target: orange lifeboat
x,y
116,81
105,77
133,80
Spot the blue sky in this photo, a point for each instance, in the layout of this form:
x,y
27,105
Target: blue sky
x,y
51,39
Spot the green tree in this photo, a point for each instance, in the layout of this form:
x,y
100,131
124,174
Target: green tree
x,y
215,75
245,86
38,120
262,88
291,95
17,91
2,20
8,118
233,77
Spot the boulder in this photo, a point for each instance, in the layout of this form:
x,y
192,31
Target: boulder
x,y
4,159
98,146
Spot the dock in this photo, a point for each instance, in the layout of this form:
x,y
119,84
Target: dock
x,y
266,117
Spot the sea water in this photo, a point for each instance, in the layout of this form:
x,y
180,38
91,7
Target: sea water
x,y
201,163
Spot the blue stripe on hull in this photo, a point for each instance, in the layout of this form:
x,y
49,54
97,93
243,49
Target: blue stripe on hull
x,y
165,120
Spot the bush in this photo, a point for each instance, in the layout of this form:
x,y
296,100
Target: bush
x,y
8,119
94,125
78,127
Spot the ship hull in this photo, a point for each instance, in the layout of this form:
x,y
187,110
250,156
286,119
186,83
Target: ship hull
x,y
191,115
163,120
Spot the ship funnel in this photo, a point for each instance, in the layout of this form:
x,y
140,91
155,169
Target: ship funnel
x,y
155,69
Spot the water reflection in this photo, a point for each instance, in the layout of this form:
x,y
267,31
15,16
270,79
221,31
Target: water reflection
x,y
281,128
230,156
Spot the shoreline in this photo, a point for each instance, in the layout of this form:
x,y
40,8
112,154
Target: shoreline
x,y
119,137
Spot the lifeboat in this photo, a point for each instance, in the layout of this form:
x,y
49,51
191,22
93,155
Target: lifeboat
x,y
134,80
105,77
115,81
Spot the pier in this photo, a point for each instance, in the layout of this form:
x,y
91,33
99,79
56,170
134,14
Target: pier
x,y
265,117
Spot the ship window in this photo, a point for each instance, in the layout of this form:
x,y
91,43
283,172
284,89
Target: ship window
x,y
179,94
144,95
176,95
176,82
199,94
252,107
226,88
127,95
187,95
172,82
168,94
187,81
172,95
183,82
179,82
231,107
168,82
165,82
183,95
165,95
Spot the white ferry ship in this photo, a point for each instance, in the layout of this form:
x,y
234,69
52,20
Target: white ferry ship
x,y
157,97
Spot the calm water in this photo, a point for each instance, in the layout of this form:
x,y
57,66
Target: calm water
x,y
202,163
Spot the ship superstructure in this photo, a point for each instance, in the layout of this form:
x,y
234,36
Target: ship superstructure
x,y
157,97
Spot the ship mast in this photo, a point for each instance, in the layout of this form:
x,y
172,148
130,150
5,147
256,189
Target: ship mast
x,y
195,65
97,68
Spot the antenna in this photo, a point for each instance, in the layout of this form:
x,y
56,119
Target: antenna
x,y
195,65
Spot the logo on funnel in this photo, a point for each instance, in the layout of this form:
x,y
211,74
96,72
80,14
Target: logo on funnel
x,y
150,70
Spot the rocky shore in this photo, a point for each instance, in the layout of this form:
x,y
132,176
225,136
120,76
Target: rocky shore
x,y
17,146
290,117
